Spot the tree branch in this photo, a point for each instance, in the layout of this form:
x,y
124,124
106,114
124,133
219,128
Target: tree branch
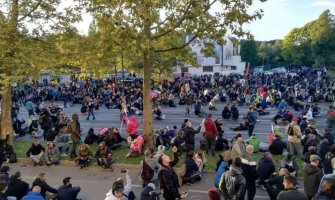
x,y
177,47
31,11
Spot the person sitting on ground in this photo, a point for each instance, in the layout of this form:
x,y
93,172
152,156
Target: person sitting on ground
x,y
111,140
327,176
136,147
238,148
40,180
91,138
192,173
84,155
52,154
179,142
277,146
328,190
241,127
201,160
104,156
67,191
290,164
226,113
16,187
36,153
277,180
323,149
9,154
221,144
265,169
116,192
147,193
254,141
35,194
291,192
4,175
234,113
328,135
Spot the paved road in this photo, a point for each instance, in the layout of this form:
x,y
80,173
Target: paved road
x,y
95,182
175,116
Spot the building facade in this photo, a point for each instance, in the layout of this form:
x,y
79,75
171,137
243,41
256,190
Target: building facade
x,y
226,60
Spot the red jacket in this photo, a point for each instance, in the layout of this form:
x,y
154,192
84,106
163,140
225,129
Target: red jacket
x,y
210,127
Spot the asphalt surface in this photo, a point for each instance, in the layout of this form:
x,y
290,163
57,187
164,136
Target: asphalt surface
x,y
107,118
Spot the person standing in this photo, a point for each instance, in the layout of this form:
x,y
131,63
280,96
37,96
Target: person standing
x,y
249,171
30,106
211,132
251,119
90,106
294,134
291,192
73,128
233,183
312,176
168,178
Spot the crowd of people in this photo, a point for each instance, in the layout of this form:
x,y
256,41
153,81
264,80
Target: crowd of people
x,y
237,171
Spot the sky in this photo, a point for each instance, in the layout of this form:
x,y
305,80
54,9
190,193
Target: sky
x,y
280,16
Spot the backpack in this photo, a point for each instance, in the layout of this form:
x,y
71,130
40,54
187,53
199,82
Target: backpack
x,y
131,195
327,164
290,131
147,172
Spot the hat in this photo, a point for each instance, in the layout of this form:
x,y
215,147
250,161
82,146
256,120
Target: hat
x,y
295,119
117,185
314,158
214,194
152,186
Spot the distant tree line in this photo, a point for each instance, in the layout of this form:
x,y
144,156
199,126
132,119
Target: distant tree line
x,y
311,45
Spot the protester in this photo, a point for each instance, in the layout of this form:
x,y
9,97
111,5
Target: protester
x,y
312,176
210,133
249,171
35,194
16,187
294,134
238,148
52,154
67,191
149,169
233,183
36,153
73,128
40,180
328,190
104,156
84,156
290,183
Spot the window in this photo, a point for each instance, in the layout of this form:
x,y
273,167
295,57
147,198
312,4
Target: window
x,y
233,67
207,68
184,69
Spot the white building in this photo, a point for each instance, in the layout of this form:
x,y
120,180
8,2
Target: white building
x,y
226,60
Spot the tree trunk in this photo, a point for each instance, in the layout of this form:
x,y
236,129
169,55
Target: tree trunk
x,y
147,103
6,112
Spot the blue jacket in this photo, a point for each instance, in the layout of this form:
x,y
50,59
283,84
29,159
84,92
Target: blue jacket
x,y
33,196
326,176
282,105
218,175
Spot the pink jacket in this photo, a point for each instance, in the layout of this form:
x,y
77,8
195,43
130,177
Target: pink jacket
x,y
138,144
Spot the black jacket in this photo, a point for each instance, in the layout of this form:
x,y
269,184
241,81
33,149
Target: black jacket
x,y
249,169
323,149
35,150
312,178
169,180
277,147
44,187
191,167
265,169
189,135
233,185
278,182
145,194
3,196
17,188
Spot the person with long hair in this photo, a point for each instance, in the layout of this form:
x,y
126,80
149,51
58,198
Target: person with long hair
x,y
328,190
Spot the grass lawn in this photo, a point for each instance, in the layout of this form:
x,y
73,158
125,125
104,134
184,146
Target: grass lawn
x,y
21,147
